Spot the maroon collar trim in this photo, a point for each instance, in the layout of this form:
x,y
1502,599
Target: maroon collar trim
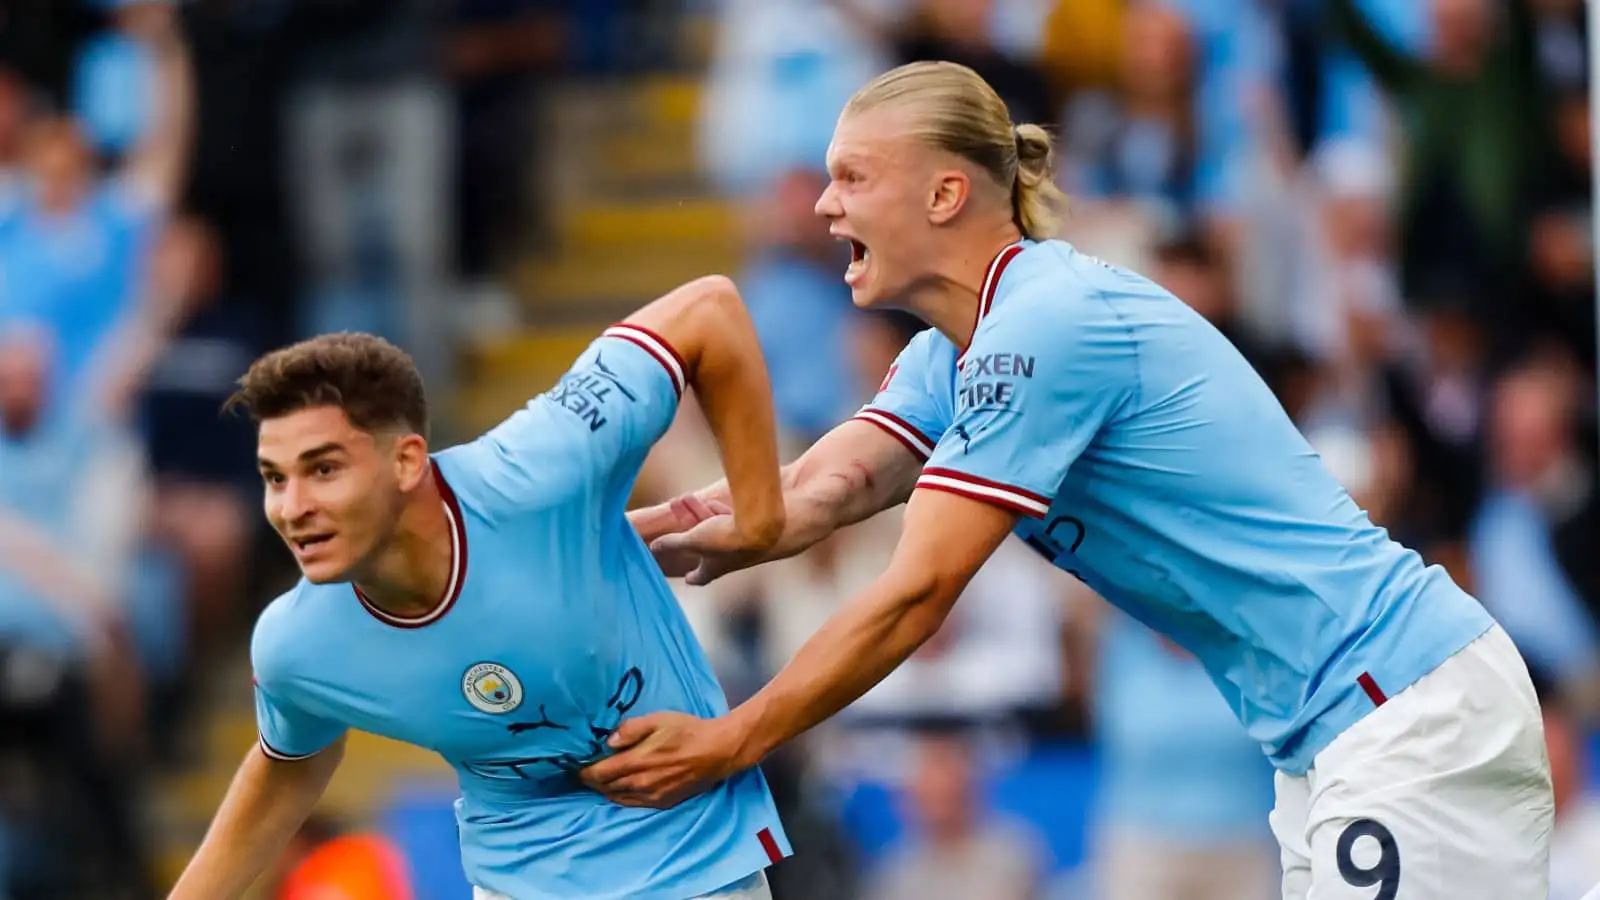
x,y
458,566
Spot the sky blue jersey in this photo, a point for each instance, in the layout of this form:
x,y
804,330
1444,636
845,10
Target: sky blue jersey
x,y
1150,460
557,624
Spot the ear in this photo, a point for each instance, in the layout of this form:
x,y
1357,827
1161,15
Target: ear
x,y
951,188
411,460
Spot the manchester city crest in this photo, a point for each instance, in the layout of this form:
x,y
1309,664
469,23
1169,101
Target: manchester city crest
x,y
492,688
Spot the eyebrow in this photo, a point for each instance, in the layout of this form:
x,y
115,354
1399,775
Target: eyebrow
x,y
316,452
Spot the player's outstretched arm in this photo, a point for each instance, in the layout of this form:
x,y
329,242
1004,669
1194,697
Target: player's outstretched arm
x,y
707,323
667,757
852,473
267,803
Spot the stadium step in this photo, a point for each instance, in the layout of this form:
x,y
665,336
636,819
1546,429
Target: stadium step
x,y
599,285
624,227
504,372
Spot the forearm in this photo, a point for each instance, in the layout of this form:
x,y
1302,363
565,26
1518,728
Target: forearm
x,y
844,659
732,386
1390,67
851,474
265,806
706,324
46,569
161,158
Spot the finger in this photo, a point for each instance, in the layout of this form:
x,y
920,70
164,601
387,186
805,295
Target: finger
x,y
718,508
638,801
697,508
670,544
605,775
632,731
710,569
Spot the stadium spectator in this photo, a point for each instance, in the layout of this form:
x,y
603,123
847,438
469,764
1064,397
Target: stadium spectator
x,y
1538,479
958,851
963,31
184,366
779,75
71,503
1184,796
800,306
370,145
72,256
1477,133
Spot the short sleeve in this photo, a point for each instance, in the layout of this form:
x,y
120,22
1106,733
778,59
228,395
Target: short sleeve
x,y
287,731
1034,389
905,404
600,419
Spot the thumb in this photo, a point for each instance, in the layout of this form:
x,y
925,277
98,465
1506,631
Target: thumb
x,y
631,732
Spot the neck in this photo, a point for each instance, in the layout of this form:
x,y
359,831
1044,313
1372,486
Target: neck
x,y
947,298
410,575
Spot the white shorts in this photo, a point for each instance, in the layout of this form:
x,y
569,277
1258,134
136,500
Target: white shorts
x,y
1442,792
752,888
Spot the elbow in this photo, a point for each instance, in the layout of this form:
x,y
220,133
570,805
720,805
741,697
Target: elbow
x,y
712,317
718,297
926,598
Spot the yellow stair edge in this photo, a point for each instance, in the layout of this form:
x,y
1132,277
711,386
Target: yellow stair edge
x,y
670,98
690,220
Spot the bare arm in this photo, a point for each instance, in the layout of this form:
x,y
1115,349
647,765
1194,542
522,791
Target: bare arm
x,y
158,163
49,569
665,757
267,803
706,322
852,473
946,539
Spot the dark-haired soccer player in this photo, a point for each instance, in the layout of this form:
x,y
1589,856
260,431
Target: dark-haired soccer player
x,y
492,602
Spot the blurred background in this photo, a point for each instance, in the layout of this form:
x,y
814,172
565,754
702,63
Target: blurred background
x,y
1384,203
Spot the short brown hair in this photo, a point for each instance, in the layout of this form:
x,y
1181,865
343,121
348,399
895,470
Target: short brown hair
x,y
374,382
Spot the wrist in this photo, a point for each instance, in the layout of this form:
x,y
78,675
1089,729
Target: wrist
x,y
749,745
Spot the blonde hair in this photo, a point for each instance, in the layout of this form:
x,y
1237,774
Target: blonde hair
x,y
958,112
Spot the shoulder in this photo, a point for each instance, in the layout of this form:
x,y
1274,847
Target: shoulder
x,y
927,349
1052,287
484,479
282,631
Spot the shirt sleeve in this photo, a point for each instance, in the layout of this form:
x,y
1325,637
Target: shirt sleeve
x,y
601,418
905,405
1034,389
287,732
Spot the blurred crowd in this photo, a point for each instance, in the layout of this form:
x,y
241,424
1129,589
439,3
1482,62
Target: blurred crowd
x,y
1385,204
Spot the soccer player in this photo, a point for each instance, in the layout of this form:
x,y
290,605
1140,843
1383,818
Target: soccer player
x,y
1109,426
491,602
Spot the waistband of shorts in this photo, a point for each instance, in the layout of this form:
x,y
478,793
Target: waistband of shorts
x,y
1367,692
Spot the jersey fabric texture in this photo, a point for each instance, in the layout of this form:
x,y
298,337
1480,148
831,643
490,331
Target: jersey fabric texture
x,y
557,625
1149,459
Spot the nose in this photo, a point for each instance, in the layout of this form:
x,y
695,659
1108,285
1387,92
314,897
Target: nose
x,y
828,204
291,502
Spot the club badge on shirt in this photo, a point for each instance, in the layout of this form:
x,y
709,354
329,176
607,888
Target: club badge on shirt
x,y
492,688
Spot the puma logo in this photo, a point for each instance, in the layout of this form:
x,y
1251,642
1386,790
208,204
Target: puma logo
x,y
544,722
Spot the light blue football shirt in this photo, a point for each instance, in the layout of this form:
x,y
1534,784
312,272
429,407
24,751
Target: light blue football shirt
x,y
558,624
1149,459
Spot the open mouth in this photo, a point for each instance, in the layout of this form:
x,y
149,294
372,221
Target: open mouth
x,y
860,257
310,542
